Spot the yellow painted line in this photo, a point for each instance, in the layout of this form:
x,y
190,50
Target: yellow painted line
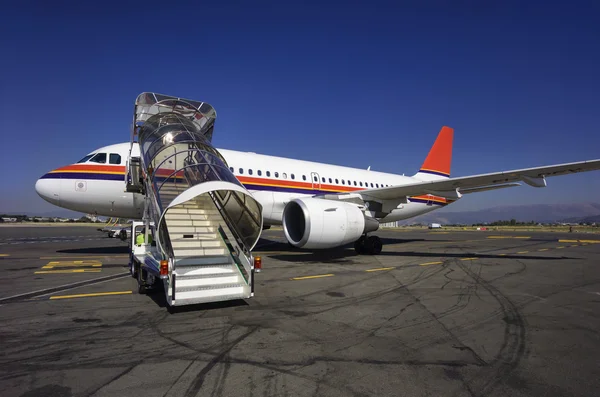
x,y
4,255
523,237
468,259
84,257
502,254
379,269
68,271
543,249
439,232
430,263
522,252
574,245
580,241
559,248
90,295
309,277
72,265
499,237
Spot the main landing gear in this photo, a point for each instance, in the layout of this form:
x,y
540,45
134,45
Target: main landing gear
x,y
370,245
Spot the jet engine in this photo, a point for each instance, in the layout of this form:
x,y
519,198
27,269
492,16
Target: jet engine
x,y
321,223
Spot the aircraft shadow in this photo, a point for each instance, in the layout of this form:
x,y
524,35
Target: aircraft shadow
x,y
470,255
121,249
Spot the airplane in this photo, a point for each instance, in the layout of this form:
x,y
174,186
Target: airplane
x,y
285,188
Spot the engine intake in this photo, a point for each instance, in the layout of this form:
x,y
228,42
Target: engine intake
x,y
322,223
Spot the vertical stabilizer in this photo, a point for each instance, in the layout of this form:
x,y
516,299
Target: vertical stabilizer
x,y
437,164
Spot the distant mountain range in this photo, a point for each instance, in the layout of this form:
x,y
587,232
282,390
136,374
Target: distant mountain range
x,y
544,213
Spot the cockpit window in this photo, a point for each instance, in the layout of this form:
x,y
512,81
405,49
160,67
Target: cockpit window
x,y
86,158
114,158
99,158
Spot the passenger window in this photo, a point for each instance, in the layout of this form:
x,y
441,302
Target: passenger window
x,y
231,169
315,178
336,181
329,180
276,174
241,170
292,176
259,172
284,175
268,173
250,171
354,183
360,184
99,158
343,182
303,177
377,185
371,184
323,179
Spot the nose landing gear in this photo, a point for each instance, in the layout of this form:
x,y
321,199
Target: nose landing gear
x,y
370,245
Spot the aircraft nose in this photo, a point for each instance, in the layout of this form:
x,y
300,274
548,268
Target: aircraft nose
x,y
48,189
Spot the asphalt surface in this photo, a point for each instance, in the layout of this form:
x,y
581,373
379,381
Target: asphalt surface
x,y
436,314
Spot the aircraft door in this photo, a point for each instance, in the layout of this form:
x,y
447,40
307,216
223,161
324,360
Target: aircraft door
x,y
315,180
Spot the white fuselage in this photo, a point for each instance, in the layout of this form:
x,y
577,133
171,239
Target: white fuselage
x,y
99,187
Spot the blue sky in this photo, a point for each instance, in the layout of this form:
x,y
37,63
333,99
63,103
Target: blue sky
x,y
369,83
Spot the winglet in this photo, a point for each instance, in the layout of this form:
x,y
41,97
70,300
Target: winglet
x,y
439,159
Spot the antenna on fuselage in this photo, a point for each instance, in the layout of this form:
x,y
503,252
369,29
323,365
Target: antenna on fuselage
x,y
369,168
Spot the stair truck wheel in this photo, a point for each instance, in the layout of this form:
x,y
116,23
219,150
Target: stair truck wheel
x,y
141,282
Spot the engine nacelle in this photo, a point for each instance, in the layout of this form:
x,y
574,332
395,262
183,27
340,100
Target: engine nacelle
x,y
322,223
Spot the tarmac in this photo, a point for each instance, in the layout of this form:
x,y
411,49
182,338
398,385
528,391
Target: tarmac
x,y
437,313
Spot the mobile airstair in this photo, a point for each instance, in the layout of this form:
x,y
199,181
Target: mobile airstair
x,y
204,222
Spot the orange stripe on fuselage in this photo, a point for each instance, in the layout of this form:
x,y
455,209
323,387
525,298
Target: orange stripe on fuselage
x,y
322,186
112,169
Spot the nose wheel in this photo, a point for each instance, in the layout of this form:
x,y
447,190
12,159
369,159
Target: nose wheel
x,y
368,245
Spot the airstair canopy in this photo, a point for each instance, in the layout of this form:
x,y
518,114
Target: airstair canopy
x,y
177,157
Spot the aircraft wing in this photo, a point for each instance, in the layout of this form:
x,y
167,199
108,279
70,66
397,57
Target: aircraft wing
x,y
453,188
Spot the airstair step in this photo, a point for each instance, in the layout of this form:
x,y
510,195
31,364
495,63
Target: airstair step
x,y
183,252
195,243
195,301
192,230
189,222
202,260
185,282
232,291
193,211
169,215
192,236
209,268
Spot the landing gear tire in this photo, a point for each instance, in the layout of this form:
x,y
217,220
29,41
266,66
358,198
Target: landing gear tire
x,y
368,245
359,245
375,245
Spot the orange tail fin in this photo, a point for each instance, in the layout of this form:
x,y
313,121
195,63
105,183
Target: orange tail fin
x,y
439,159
